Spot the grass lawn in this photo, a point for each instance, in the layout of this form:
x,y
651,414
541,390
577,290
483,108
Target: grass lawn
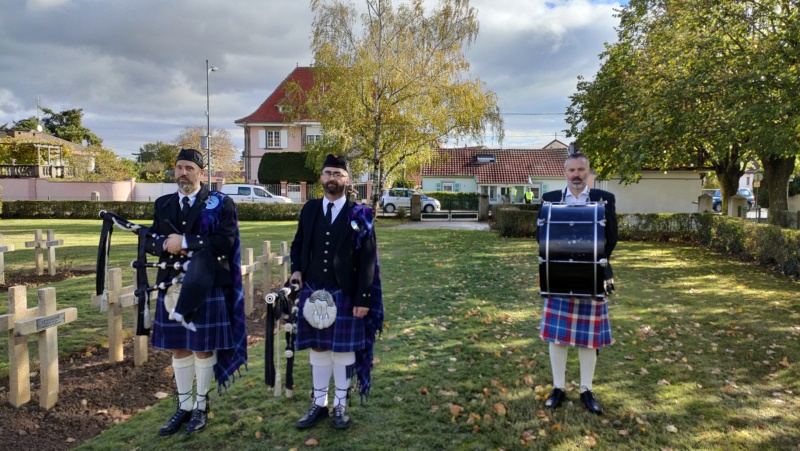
x,y
705,357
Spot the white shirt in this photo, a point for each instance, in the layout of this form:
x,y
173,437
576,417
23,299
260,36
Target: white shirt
x,y
582,198
192,196
338,204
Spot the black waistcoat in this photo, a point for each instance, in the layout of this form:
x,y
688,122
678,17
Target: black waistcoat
x,y
323,247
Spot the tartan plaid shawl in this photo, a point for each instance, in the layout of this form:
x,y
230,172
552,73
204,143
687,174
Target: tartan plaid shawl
x,y
229,361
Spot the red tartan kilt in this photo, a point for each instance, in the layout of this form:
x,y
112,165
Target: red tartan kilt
x,y
576,322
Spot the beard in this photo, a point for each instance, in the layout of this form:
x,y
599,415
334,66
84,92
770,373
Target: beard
x,y
577,183
186,186
334,189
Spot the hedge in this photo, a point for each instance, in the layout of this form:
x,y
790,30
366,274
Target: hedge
x,y
455,201
88,209
277,166
511,221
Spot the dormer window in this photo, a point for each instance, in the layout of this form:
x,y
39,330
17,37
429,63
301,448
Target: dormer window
x,y
283,109
484,158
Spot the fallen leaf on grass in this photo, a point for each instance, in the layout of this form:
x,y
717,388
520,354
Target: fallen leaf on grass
x,y
623,432
258,435
663,382
591,441
160,395
671,428
499,409
312,442
456,410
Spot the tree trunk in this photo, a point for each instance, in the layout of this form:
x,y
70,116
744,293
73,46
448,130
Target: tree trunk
x,y
777,171
728,171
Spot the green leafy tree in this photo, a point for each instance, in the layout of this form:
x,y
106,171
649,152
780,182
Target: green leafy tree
x,y
103,165
392,83
158,151
702,84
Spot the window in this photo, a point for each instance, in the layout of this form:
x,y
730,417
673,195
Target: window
x,y
447,186
272,139
537,191
259,192
311,139
244,191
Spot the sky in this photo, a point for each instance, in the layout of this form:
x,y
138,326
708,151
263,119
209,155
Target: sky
x,y
138,68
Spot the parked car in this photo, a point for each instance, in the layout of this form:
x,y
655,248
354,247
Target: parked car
x,y
744,192
252,193
395,198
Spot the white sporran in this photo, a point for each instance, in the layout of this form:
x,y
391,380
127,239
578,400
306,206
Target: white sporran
x,y
320,309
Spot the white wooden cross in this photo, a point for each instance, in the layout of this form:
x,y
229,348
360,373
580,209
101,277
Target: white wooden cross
x,y
269,258
21,322
40,245
249,267
284,260
114,299
266,260
4,248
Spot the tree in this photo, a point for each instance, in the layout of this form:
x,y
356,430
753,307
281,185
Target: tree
x,y
103,165
224,156
158,151
67,125
698,84
390,89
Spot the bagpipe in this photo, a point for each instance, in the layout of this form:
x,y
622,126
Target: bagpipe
x,y
281,309
191,284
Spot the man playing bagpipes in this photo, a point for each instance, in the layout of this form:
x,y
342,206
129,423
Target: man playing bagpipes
x,y
335,261
579,321
200,227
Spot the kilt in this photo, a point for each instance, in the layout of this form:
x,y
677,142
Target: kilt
x,y
346,334
214,328
576,322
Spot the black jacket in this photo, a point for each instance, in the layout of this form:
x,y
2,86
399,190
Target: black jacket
x,y
166,221
597,195
354,268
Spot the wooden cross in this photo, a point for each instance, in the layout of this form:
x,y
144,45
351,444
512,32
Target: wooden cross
x,y
21,322
114,299
40,245
269,258
249,267
6,248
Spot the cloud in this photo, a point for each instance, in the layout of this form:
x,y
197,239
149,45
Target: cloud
x,y
137,69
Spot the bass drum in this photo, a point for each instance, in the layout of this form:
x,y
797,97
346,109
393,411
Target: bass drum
x,y
572,250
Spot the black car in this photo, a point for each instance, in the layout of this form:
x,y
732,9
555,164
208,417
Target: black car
x,y
744,192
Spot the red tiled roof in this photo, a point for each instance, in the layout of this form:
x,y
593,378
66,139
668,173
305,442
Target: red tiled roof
x,y
512,166
268,111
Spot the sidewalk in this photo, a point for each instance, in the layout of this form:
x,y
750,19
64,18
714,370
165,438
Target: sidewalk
x,y
456,225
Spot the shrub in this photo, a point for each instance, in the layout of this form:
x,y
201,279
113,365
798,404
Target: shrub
x,y
513,222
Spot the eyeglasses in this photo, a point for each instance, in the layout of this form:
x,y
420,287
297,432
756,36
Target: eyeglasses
x,y
336,175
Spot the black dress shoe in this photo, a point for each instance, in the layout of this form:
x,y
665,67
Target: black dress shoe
x,y
198,421
341,420
315,415
556,398
591,404
174,424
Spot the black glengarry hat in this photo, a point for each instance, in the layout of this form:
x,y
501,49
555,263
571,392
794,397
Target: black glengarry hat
x,y
191,155
335,161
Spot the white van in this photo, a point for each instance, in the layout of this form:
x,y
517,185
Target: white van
x,y
251,193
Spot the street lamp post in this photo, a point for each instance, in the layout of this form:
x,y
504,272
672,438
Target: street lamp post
x,y
208,123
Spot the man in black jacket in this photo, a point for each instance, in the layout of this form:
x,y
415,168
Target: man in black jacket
x,y
203,222
579,322
334,255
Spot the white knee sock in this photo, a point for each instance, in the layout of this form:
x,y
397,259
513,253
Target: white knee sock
x,y
588,360
341,361
184,377
321,371
558,364
205,372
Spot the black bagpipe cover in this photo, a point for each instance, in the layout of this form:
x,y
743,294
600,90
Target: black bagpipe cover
x,y
572,256
197,282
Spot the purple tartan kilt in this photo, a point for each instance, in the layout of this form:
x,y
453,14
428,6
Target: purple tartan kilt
x,y
576,322
214,330
344,335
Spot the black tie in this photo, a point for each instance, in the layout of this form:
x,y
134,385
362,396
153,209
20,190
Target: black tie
x,y
185,208
329,213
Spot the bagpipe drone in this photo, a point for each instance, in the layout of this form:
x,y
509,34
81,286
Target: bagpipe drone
x,y
190,286
281,309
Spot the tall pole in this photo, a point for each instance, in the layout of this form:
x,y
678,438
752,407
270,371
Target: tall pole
x,y
208,122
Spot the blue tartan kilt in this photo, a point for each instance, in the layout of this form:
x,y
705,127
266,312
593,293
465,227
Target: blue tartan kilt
x,y
346,334
576,322
214,329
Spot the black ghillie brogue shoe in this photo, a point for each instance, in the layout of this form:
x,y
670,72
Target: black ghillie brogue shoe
x,y
198,421
591,404
341,420
556,398
315,415
174,424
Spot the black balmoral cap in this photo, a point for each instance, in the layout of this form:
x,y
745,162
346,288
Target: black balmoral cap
x,y
191,155
335,161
